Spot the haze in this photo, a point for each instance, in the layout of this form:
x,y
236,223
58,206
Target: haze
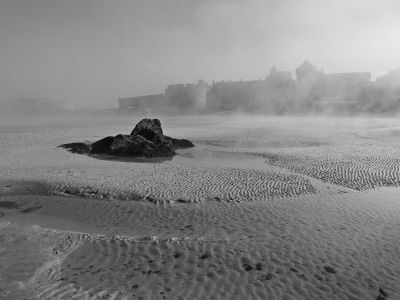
x,y
89,53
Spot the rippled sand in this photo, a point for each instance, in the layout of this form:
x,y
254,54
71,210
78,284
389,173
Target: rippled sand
x,y
262,207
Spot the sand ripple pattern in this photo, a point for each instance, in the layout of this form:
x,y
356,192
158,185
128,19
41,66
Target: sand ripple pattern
x,y
355,172
114,268
307,248
188,185
278,251
170,182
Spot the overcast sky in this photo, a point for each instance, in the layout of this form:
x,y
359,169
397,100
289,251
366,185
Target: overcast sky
x,y
92,51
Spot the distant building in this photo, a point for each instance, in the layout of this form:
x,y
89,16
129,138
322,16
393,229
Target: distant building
x,y
341,87
307,71
279,93
279,76
232,95
339,92
392,79
272,95
309,87
177,98
352,78
384,95
187,97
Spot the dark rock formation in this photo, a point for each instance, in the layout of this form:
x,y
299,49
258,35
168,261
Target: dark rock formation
x,y
146,139
80,148
102,146
180,143
150,129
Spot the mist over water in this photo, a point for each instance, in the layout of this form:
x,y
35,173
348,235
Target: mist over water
x,y
87,54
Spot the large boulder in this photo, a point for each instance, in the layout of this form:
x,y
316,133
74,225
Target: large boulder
x,y
146,139
150,129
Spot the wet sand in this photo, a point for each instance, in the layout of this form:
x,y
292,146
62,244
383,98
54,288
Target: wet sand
x,y
263,207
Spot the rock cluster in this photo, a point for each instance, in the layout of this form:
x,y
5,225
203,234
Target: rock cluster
x,y
146,139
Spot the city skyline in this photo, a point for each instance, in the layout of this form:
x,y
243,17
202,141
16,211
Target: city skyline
x,y
88,52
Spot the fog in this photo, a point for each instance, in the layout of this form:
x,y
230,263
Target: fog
x,y
89,53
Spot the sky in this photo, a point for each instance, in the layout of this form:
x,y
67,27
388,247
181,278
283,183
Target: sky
x,y
90,52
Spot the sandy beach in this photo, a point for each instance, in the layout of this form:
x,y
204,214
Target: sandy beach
x,y
262,208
